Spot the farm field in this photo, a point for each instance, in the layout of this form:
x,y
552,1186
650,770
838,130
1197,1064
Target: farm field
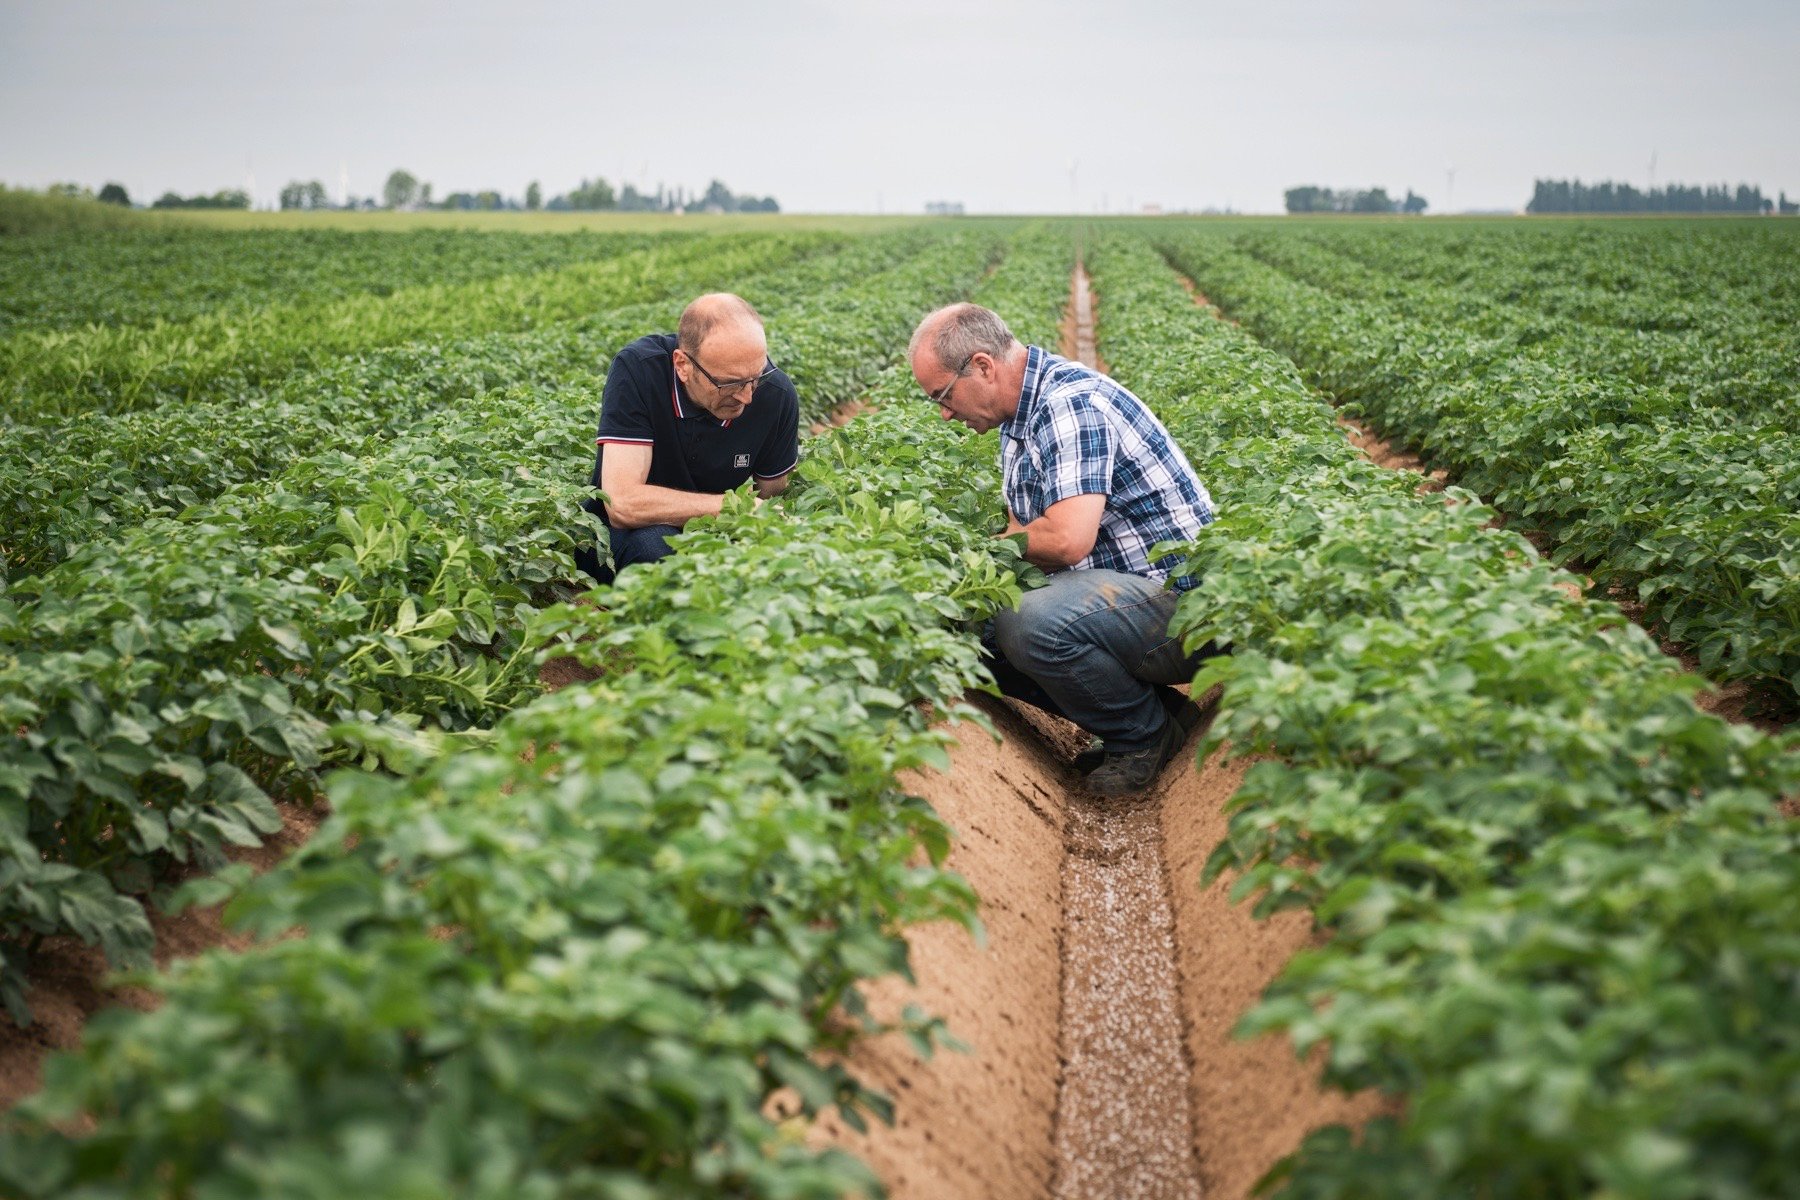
x,y
690,886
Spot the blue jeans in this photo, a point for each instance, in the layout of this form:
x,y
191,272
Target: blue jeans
x,y
646,545
1094,644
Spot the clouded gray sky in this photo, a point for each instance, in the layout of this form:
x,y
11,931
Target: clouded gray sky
x,y
1005,105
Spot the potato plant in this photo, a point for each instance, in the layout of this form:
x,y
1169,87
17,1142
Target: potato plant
x,y
1663,470
390,585
576,957
1547,888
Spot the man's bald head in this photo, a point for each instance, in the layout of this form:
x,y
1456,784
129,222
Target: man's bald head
x,y
721,313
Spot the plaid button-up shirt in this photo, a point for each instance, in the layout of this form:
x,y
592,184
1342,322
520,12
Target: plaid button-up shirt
x,y
1077,433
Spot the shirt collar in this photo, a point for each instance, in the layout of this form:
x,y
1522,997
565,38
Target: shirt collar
x,y
1037,363
685,408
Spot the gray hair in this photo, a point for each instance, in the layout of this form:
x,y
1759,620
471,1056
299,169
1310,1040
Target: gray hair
x,y
958,332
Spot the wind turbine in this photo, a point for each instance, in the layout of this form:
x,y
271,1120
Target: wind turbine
x,y
1449,188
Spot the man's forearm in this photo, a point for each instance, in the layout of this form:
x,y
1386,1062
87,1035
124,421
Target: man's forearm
x,y
1045,547
1064,534
647,504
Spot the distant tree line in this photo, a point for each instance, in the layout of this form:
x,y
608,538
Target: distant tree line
x,y
1574,196
1313,199
226,198
404,190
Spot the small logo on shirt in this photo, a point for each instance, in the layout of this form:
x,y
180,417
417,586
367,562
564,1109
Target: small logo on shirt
x,y
742,460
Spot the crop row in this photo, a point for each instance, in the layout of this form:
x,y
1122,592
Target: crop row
x,y
1737,367
69,480
1553,897
114,369
1696,518
577,958
1707,276
174,274
164,681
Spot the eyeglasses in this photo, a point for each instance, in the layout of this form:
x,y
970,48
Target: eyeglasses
x,y
733,385
943,393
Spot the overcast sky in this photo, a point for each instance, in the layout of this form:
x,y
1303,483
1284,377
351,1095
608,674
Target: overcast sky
x,y
1005,105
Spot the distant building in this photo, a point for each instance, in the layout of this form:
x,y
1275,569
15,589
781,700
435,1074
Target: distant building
x,y
1151,210
944,208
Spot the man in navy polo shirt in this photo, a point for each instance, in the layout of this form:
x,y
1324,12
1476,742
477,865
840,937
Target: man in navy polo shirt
x,y
1094,482
686,417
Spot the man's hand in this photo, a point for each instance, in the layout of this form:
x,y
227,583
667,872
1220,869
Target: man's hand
x,y
1064,535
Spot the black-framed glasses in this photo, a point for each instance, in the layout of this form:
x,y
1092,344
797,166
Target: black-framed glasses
x,y
942,394
733,385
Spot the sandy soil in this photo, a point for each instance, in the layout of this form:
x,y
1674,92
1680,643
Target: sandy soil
x,y
1255,1099
1390,455
979,1124
1019,1117
1125,1123
1079,321
1201,299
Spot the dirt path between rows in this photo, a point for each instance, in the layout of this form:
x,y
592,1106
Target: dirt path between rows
x,y
1124,1118
1099,1014
1072,962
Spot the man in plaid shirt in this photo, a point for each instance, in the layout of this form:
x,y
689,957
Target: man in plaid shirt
x,y
1093,481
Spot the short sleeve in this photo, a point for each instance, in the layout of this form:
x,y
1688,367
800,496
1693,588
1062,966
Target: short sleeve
x,y
780,451
1075,447
625,404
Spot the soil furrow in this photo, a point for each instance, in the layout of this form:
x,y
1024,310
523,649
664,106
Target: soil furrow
x,y
1124,1127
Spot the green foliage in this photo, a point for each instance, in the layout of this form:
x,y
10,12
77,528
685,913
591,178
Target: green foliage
x,y
104,369
1574,196
224,198
401,190
369,561
305,196
1576,379
1314,199
592,194
174,274
1547,890
578,956
27,212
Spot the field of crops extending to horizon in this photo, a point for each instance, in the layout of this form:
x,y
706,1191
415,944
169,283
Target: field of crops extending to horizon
x,y
607,892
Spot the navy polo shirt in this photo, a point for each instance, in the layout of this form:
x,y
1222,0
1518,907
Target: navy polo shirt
x,y
691,450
